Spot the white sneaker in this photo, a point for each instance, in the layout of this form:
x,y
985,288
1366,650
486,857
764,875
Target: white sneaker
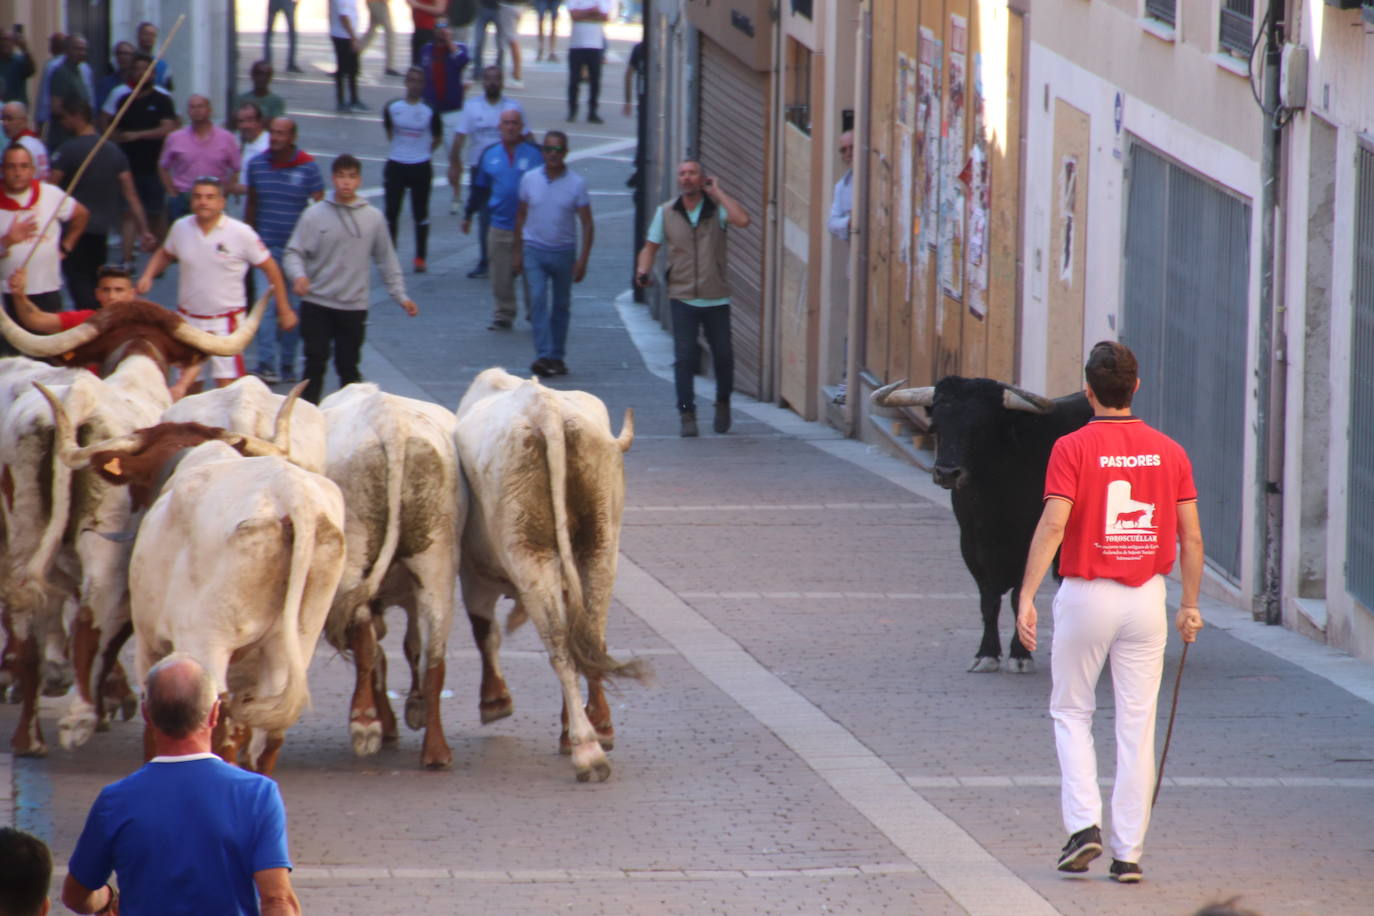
x,y
453,208
514,83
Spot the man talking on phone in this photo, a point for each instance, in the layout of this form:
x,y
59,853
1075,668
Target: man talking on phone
x,y
693,227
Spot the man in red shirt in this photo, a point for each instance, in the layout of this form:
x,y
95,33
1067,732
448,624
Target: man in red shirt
x,y
113,284
1118,496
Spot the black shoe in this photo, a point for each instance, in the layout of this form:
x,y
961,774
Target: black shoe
x,y
559,367
594,119
689,424
478,273
292,68
1082,848
1126,872
391,71
572,116
499,324
722,422
543,367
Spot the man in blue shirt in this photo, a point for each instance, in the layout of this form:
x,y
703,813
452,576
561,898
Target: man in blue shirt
x,y
552,201
496,184
187,832
282,182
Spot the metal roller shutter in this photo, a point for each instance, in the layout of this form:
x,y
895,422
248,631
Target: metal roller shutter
x,y
732,141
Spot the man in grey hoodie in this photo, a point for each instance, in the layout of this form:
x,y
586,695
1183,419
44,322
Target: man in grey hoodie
x,y
328,261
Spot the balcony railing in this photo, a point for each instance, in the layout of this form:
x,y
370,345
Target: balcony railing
x,y
1237,26
1163,10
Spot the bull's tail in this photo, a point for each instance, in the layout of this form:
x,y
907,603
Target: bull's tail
x,y
281,711
388,433
586,643
64,437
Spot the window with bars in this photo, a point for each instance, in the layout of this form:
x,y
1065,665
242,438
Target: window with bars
x,y
798,85
1237,26
1163,10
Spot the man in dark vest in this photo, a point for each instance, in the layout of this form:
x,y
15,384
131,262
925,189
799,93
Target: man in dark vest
x,y
693,227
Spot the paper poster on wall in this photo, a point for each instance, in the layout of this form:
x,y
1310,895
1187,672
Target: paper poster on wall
x,y
928,138
904,218
952,194
906,91
976,178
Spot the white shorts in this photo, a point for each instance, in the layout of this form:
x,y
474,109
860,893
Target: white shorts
x,y
230,367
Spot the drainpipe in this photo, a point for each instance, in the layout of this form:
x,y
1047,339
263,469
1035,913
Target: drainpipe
x,y
1268,605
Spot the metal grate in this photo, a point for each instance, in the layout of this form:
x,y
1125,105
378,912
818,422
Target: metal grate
x,y
1238,26
1163,10
1185,314
1359,535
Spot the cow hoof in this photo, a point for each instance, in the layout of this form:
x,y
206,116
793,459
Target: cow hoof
x,y
984,665
590,762
437,760
1021,665
499,708
367,737
75,729
128,706
57,678
415,712
103,725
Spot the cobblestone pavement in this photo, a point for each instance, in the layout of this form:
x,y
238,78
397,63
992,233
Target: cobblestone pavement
x,y
812,742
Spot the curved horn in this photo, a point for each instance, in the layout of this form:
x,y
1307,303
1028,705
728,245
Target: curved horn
x,y
223,345
252,446
281,429
627,430
889,396
46,346
1014,398
64,442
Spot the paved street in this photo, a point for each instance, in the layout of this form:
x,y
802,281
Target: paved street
x,y
811,743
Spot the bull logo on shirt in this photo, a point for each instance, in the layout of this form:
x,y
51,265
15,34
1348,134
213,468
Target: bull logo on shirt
x,y
1125,513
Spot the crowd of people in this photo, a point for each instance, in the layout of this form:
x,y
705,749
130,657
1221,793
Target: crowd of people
x,y
228,199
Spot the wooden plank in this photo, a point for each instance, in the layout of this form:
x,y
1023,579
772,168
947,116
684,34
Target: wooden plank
x,y
881,176
1004,226
1067,248
954,135
981,58
900,283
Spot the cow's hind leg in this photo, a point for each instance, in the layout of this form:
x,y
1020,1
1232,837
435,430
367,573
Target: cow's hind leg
x,y
28,734
1020,661
990,649
598,713
589,759
479,598
364,724
265,761
78,723
390,734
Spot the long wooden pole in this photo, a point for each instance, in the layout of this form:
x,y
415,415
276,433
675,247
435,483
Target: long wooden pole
x,y
1169,732
114,122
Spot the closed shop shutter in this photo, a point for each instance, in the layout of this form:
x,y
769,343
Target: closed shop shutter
x,y
1359,536
732,141
1185,315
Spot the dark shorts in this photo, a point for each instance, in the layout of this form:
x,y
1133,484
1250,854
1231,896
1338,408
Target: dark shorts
x,y
150,192
547,6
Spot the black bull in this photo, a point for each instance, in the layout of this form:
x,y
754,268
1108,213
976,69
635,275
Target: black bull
x,y
992,444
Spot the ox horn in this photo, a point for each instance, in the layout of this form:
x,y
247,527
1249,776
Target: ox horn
x,y
252,446
64,442
46,346
627,430
281,429
223,345
1014,398
889,396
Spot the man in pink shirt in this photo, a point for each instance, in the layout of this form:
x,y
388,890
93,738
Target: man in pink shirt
x,y
199,149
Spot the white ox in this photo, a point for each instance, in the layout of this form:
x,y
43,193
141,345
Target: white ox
x,y
547,482
236,563
249,406
395,461
65,533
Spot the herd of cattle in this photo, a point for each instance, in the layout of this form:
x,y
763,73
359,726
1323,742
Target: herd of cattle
x,y
239,526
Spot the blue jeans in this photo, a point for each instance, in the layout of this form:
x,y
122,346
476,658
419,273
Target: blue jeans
x,y
479,27
549,272
276,348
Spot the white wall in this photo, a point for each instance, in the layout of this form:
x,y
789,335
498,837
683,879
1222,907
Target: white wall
x,y
198,55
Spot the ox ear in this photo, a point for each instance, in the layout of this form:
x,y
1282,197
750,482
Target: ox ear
x,y
1014,398
890,396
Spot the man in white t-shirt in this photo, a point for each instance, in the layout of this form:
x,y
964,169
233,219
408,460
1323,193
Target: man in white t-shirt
x,y
215,252
343,32
479,126
26,225
586,49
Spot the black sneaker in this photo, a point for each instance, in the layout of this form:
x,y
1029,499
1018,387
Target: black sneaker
x,y
689,424
1126,872
559,367
722,420
478,273
542,367
1082,848
499,324
594,119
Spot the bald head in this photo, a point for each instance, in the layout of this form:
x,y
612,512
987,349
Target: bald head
x,y
178,696
16,118
847,148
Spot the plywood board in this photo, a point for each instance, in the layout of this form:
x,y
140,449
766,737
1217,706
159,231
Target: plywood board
x,y
1067,247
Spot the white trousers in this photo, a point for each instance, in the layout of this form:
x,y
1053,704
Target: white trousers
x,y
1097,619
